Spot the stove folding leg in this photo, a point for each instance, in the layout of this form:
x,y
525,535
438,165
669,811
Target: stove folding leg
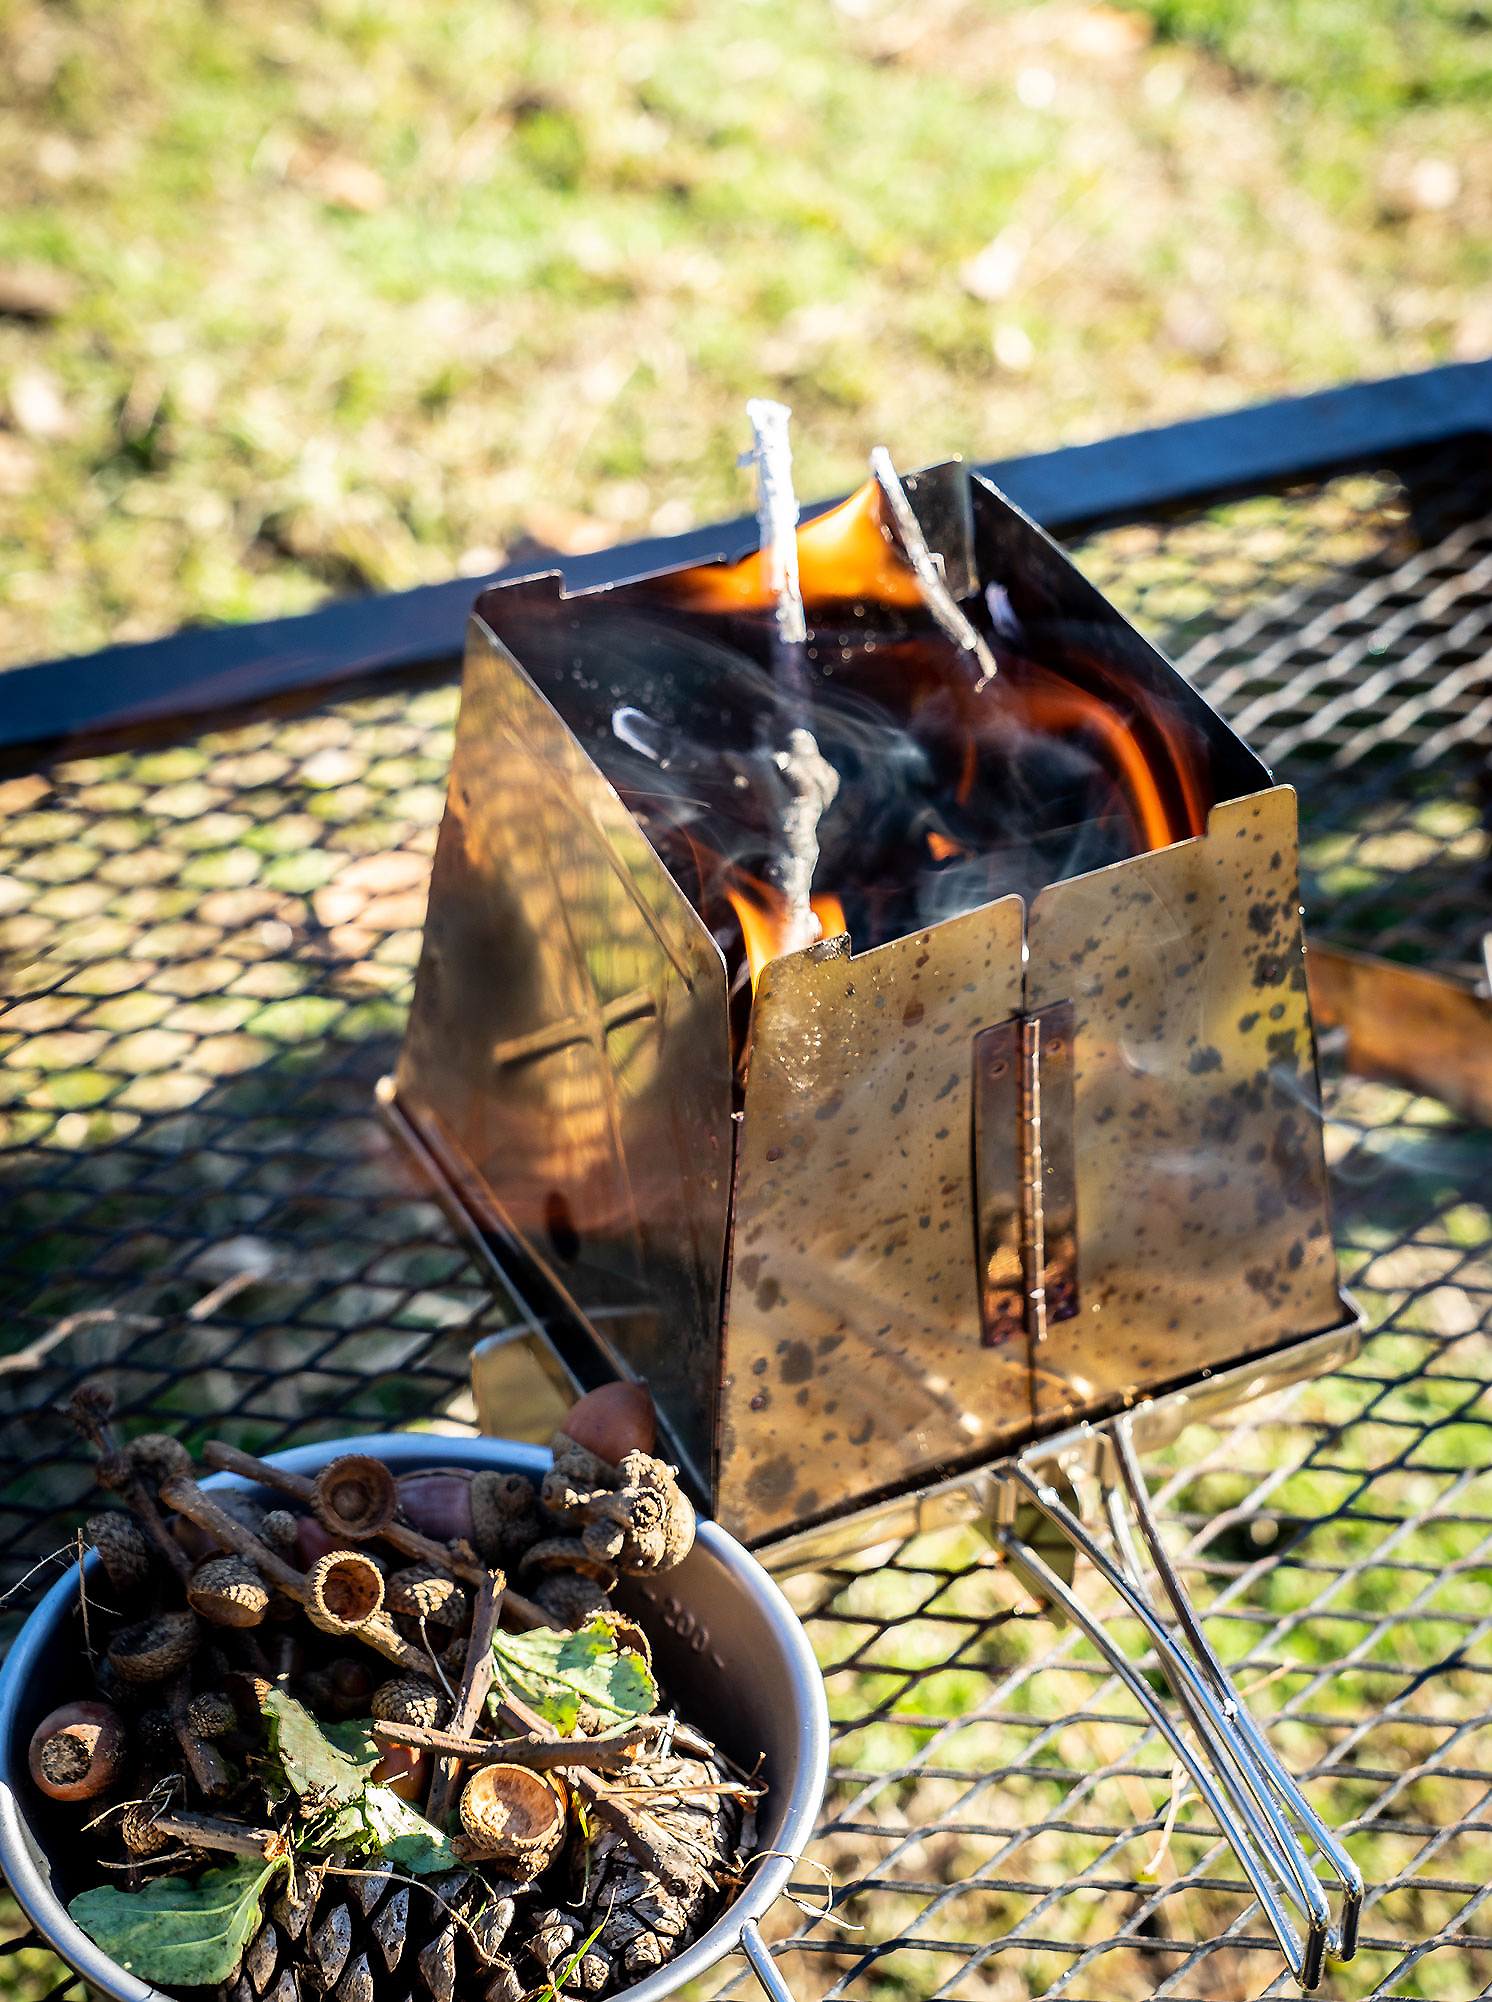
x,y
1256,1803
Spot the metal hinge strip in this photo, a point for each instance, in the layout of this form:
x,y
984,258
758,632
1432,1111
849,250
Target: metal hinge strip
x,y
1025,1175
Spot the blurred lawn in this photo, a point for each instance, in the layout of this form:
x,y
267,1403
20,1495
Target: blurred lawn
x,y
358,294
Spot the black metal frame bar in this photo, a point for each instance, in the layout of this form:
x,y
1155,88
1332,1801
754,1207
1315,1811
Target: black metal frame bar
x,y
206,669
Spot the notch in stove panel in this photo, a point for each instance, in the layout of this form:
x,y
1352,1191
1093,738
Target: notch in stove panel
x,y
1032,1132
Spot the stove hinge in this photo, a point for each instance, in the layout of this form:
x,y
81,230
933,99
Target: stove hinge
x,y
1025,1175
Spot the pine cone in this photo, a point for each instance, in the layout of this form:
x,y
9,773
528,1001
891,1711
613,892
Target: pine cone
x,y
361,1937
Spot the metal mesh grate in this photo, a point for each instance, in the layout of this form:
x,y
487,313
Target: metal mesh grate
x,y
214,944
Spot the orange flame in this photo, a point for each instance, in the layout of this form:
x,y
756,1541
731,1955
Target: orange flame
x,y
763,917
830,913
842,554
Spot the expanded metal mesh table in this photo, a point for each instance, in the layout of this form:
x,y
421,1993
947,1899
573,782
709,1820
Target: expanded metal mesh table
x,y
212,942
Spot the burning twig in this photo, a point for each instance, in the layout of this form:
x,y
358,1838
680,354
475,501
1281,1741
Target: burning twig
x,y
811,781
936,595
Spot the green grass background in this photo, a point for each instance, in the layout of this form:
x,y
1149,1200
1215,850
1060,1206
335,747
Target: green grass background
x,y
362,294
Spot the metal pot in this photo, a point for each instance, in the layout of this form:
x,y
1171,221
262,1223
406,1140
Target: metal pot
x,y
724,1641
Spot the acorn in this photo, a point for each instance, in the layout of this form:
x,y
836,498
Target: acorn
x,y
153,1649
437,1502
343,1589
512,1816
424,1592
77,1751
229,1592
616,1419
123,1549
411,1699
355,1496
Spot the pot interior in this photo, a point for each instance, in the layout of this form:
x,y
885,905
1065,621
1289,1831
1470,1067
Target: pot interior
x,y
728,1652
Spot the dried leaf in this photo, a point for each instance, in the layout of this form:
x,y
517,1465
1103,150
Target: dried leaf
x,y
556,1674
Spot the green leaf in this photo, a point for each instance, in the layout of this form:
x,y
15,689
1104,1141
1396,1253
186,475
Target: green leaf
x,y
178,1934
404,1835
384,1825
556,1674
312,1763
355,1738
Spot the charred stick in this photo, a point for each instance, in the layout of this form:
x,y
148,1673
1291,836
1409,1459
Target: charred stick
x,y
476,1680
542,1754
182,1493
209,1769
205,1831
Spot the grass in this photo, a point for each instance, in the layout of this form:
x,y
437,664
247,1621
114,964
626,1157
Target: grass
x,y
358,295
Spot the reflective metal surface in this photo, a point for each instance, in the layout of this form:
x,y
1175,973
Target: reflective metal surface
x,y
852,1355
567,1056
1204,1230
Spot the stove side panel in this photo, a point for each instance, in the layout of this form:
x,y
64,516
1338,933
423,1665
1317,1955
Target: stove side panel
x,y
567,1057
853,1353
1203,1225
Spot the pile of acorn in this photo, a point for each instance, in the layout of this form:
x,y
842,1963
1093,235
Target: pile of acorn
x,y
582,1857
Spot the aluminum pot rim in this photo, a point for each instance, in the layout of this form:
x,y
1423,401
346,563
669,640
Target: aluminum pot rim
x,y
20,1852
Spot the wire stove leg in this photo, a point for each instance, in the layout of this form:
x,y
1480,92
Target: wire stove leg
x,y
1235,1770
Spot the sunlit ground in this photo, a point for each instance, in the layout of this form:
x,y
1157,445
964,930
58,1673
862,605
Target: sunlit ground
x,y
337,296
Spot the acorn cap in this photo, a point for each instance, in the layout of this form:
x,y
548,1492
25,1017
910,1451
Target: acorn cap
x,y
229,1592
343,1590
512,1816
156,1456
212,1714
567,1553
411,1699
279,1530
355,1496
152,1649
572,1600
123,1548
425,1592
140,1835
